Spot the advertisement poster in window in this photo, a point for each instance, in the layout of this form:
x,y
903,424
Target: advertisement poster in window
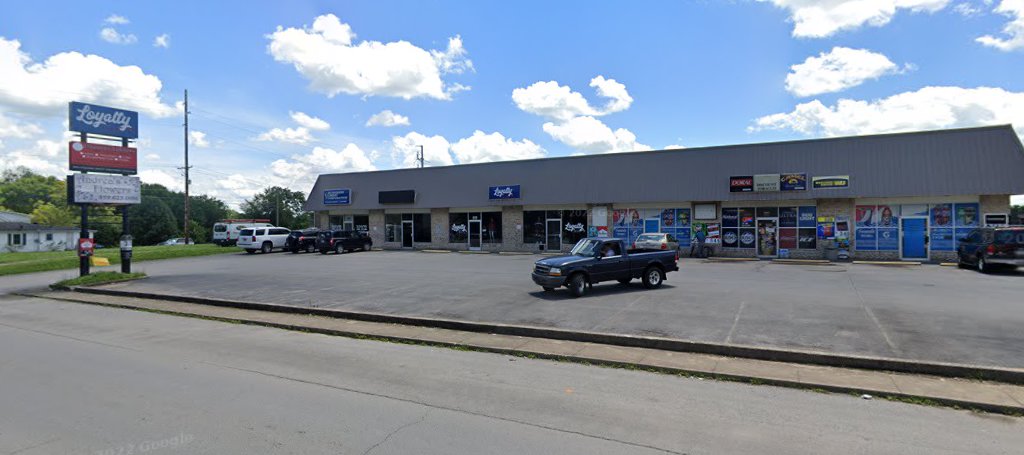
x,y
747,217
730,217
942,215
808,239
714,231
620,218
888,239
602,231
683,236
960,233
966,215
942,239
887,217
635,222
730,238
620,232
866,240
682,217
787,238
748,238
808,217
787,217
668,219
865,216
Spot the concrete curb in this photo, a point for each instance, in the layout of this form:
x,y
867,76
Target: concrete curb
x,y
1006,375
753,378
435,251
888,263
474,252
514,253
802,261
718,259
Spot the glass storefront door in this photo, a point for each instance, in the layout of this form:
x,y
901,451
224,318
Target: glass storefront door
x,y
767,237
406,234
554,235
474,234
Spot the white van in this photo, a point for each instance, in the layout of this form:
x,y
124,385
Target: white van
x,y
225,232
264,239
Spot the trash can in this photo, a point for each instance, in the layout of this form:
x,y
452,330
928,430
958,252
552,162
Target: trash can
x,y
831,251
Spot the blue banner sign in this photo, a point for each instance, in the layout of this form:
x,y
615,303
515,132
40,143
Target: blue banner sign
x,y
504,192
341,196
888,239
866,239
106,121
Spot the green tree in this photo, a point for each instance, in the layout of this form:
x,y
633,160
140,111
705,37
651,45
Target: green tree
x,y
50,214
21,190
151,221
199,233
275,201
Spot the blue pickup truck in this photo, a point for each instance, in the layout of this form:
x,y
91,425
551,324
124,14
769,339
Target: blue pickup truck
x,y
594,260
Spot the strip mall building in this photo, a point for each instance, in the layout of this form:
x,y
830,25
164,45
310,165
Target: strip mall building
x,y
895,196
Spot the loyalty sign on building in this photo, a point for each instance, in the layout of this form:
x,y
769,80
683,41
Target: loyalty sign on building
x,y
504,192
340,196
103,120
92,157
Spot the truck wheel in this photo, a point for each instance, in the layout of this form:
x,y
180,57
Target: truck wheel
x,y
366,246
250,251
337,249
653,277
267,247
310,248
625,281
578,285
982,265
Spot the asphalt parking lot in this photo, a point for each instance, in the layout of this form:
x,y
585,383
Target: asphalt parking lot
x,y
916,312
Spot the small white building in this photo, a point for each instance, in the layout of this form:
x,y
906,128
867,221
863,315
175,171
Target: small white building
x,y
19,234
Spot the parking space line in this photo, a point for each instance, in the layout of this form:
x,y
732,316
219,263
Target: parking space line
x,y
735,322
609,318
874,319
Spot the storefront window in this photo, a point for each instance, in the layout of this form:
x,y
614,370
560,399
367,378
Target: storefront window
x,y
362,223
392,227
491,227
334,222
421,227
574,226
458,228
533,226
795,227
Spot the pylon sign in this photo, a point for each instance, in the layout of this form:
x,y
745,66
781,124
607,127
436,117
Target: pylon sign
x,y
103,120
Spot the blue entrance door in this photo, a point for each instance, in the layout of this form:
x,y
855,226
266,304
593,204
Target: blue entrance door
x,y
914,238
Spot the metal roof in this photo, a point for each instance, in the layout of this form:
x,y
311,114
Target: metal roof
x,y
967,161
19,226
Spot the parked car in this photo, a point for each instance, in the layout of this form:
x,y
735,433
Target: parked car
x,y
989,247
656,241
304,240
177,241
262,239
593,260
338,241
226,232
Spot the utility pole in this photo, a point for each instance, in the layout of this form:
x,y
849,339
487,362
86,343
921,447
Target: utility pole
x,y
420,157
187,204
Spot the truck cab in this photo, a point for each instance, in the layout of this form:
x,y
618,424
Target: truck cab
x,y
594,260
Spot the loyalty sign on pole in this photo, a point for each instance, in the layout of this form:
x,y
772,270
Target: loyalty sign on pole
x,y
103,120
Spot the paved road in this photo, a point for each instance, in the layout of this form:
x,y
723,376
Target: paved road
x,y
79,379
927,312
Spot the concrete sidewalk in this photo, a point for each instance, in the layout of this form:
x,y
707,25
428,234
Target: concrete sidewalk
x,y
971,394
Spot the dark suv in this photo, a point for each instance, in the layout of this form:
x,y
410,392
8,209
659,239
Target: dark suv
x,y
304,240
338,241
985,248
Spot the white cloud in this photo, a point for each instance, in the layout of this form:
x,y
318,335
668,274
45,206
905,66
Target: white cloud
x,y
927,108
823,18
10,127
482,147
673,146
837,70
44,88
435,150
307,121
387,118
162,178
116,20
301,170
326,56
558,102
966,9
1014,30
299,135
198,139
590,135
152,157
43,156
163,41
110,35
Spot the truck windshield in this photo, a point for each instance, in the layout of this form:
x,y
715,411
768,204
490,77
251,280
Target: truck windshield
x,y
586,247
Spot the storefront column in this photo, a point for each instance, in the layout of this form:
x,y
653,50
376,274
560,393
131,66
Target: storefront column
x,y
377,227
512,228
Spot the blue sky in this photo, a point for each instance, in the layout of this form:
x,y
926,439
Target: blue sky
x,y
592,77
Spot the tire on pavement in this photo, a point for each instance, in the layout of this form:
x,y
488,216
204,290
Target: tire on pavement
x,y
578,285
653,277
